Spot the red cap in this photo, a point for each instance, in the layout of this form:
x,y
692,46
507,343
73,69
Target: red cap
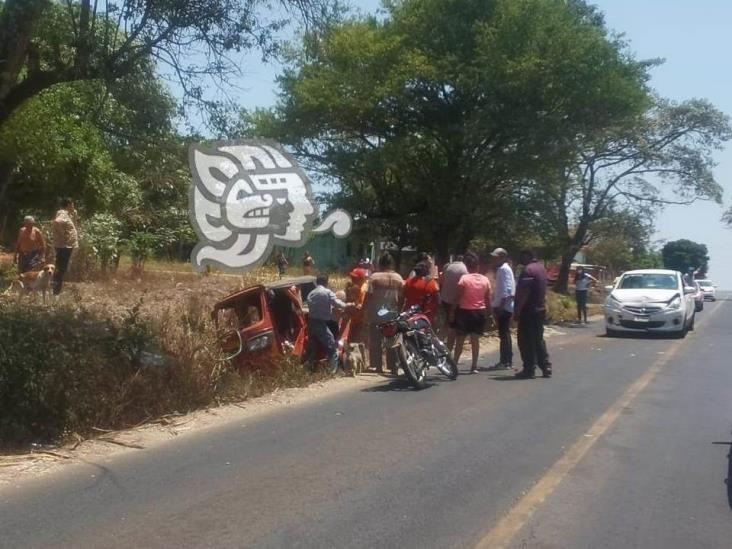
x,y
358,274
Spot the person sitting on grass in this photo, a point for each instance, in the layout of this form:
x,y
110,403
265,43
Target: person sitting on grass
x,y
321,303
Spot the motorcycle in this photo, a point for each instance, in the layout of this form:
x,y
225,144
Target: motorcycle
x,y
418,347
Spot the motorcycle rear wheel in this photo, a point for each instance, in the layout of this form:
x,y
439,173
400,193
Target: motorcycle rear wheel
x,y
413,365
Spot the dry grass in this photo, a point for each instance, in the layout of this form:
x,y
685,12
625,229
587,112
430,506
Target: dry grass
x,y
155,352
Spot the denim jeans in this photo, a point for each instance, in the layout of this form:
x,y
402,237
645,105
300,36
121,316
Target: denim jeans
x,y
503,318
318,330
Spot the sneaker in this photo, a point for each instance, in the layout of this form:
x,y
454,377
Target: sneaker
x,y
474,370
499,366
546,373
525,374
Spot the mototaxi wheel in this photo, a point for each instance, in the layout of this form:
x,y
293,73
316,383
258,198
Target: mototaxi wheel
x,y
413,365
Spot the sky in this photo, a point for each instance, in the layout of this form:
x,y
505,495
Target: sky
x,y
695,40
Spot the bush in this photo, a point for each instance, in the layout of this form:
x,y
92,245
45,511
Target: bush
x,y
66,371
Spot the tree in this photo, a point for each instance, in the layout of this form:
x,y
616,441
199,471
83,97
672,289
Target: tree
x,y
433,119
686,256
47,42
663,156
622,241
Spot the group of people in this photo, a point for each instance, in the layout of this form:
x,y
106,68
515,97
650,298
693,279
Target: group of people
x,y
30,246
461,291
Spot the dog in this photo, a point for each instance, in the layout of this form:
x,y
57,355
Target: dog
x,y
33,282
355,358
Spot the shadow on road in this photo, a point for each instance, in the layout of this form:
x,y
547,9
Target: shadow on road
x,y
728,480
394,385
639,335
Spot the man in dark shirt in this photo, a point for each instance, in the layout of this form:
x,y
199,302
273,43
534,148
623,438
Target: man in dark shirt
x,y
530,313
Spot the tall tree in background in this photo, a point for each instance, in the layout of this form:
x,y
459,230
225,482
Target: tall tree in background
x,y
434,119
686,256
622,241
663,156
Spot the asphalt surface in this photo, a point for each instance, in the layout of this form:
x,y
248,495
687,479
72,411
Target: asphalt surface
x,y
391,467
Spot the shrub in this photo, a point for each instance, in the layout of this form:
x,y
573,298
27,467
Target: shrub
x,y
103,234
65,370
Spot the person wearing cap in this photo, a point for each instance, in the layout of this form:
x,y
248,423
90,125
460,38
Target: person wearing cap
x,y
356,295
30,248
421,290
502,305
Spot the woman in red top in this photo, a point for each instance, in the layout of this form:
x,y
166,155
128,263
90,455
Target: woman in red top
x,y
421,289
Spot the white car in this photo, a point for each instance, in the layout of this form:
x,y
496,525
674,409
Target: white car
x,y
709,289
650,301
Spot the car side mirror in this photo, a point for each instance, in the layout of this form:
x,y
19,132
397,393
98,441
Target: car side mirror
x,y
609,288
689,290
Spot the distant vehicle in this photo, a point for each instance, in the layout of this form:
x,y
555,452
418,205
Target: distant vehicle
x,y
709,289
650,300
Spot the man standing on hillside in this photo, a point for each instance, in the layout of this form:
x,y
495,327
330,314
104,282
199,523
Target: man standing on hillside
x,y
530,312
30,249
502,305
65,239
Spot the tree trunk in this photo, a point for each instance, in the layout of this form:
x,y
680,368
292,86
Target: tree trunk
x,y
562,284
7,173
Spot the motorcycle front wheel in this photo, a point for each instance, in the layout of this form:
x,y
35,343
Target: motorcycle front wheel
x,y
413,365
448,367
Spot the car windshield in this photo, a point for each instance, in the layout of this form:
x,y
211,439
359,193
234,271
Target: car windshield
x,y
705,283
648,282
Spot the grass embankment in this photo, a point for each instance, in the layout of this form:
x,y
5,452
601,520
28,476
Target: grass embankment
x,y
116,353
119,350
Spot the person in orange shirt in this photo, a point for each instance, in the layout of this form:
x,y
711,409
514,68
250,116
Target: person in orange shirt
x,y
356,295
30,249
421,289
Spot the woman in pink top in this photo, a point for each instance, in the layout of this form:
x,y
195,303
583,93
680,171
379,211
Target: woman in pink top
x,y
474,296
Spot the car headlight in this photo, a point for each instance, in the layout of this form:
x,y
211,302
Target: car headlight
x,y
260,342
613,301
675,303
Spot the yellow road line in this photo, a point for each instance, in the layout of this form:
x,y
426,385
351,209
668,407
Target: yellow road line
x,y
505,530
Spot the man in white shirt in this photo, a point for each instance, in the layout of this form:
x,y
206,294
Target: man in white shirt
x,y
502,304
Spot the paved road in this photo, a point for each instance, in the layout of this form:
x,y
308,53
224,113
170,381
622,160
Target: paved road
x,y
626,447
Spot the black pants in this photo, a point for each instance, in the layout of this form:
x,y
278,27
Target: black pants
x,y
531,341
503,318
63,255
581,297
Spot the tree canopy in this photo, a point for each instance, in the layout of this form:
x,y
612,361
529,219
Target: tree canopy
x,y
686,256
47,42
434,119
